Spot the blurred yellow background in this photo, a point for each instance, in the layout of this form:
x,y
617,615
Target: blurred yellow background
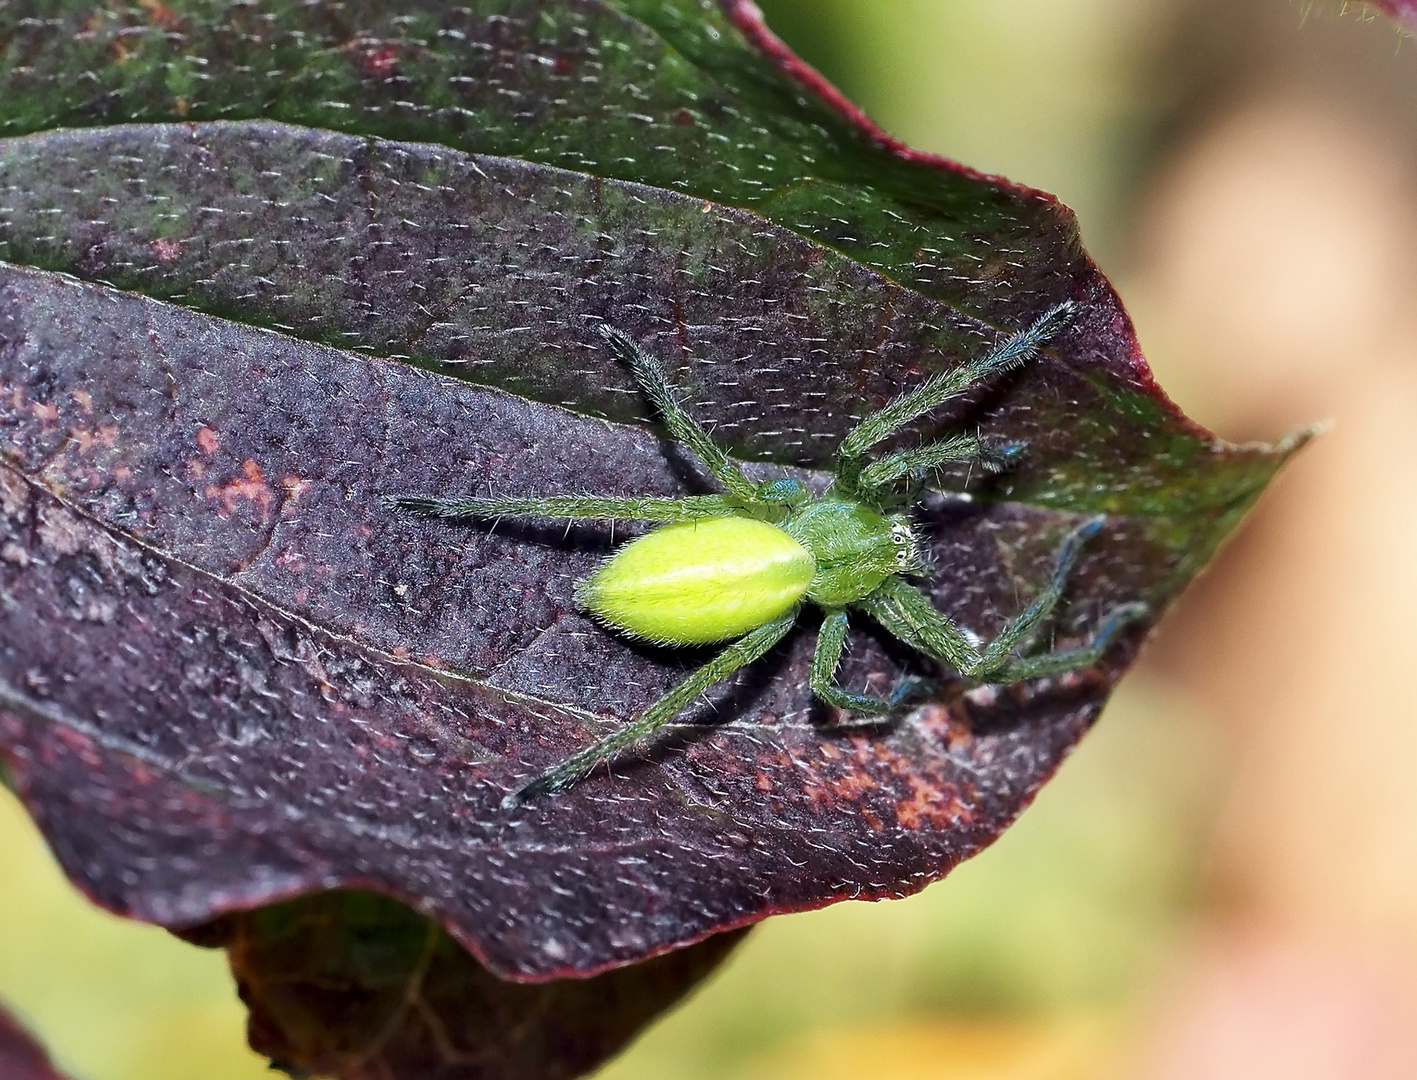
x,y
1222,882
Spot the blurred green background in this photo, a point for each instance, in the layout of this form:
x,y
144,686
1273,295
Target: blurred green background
x,y
1225,873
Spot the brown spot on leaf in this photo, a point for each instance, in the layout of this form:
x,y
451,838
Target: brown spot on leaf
x,y
931,807
161,15
106,436
250,487
294,488
375,59
166,251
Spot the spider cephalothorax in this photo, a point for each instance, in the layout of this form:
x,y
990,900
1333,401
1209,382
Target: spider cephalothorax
x,y
741,565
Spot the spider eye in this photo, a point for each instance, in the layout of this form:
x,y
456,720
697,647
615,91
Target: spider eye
x,y
907,556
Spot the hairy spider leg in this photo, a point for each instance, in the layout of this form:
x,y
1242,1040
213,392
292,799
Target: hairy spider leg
x,y
1061,660
650,375
937,390
883,472
682,426
908,613
831,639
996,655
745,650
569,507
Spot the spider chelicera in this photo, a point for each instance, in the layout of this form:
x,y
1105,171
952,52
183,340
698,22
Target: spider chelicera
x,y
741,565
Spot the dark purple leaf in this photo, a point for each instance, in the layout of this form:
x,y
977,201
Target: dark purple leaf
x,y
356,986
228,676
233,676
21,1057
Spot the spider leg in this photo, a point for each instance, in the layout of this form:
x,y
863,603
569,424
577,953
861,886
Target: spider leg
x,y
831,638
650,375
996,656
1061,660
907,612
880,425
589,507
954,449
745,650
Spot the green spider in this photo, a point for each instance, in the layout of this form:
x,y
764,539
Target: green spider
x,y
741,565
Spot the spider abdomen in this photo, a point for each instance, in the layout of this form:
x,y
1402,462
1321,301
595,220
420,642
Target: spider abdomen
x,y
699,581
